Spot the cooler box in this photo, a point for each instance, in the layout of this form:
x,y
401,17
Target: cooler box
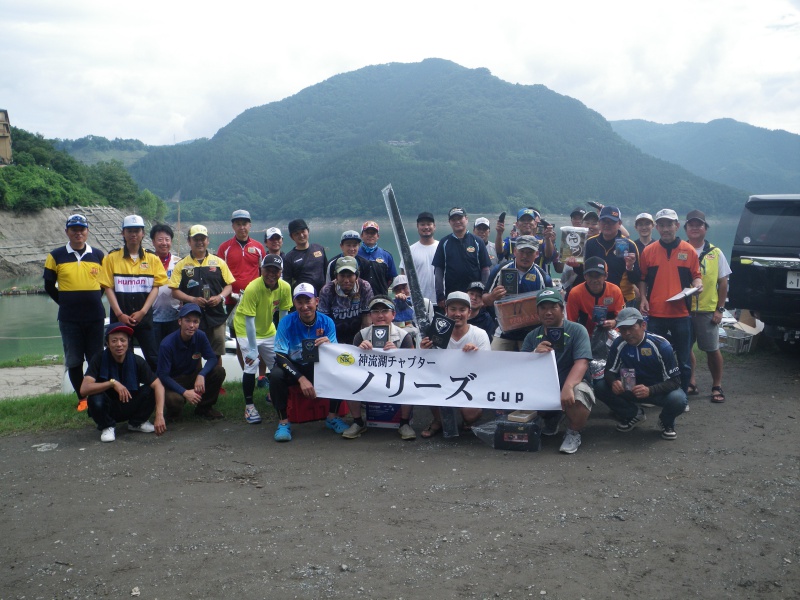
x,y
301,409
384,416
526,437
515,312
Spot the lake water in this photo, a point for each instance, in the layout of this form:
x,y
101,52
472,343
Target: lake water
x,y
28,324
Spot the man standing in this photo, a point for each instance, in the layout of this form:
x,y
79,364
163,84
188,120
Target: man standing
x,y
294,363
382,270
255,328
131,278
668,267
530,278
460,258
306,262
644,226
707,306
619,253
204,280
481,230
181,371
422,252
346,300
350,242
641,368
572,362
120,386
165,307
242,254
273,240
576,217
527,218
72,280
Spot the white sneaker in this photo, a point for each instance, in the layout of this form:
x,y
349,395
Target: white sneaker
x,y
108,435
146,427
407,432
355,430
571,443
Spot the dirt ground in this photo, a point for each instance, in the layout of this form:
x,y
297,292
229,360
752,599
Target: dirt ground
x,y
220,510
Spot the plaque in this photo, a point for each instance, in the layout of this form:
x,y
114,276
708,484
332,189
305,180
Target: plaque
x,y
509,279
628,379
573,241
440,331
599,314
380,335
555,335
310,351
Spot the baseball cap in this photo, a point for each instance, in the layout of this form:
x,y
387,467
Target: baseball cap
x,y
240,214
272,260
188,309
698,215
77,221
132,221
346,263
527,211
399,280
577,211
272,232
590,214
527,241
381,301
425,216
482,221
118,327
644,217
370,225
549,295
456,212
667,213
476,285
198,230
612,213
595,264
304,289
458,297
628,316
297,225
350,234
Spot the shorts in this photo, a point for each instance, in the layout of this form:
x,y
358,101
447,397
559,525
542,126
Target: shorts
x,y
216,337
266,350
584,393
705,331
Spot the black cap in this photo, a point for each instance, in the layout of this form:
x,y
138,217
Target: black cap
x,y
297,225
425,216
577,211
595,264
698,215
272,260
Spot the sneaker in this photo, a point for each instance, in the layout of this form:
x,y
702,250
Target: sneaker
x,y
571,443
552,423
262,382
283,433
251,414
633,421
108,435
407,432
336,424
146,427
209,413
355,430
667,432
687,408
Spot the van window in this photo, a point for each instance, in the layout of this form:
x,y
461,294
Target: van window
x,y
768,224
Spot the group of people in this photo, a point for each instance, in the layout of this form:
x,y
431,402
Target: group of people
x,y
615,303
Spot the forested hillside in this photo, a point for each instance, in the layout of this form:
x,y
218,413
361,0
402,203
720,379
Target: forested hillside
x,y
760,161
442,134
93,149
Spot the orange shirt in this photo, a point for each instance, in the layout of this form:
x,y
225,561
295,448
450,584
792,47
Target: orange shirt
x,y
581,303
666,271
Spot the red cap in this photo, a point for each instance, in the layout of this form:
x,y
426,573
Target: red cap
x,y
370,225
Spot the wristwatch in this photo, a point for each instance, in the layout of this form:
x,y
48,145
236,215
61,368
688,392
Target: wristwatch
x,y
112,382
721,309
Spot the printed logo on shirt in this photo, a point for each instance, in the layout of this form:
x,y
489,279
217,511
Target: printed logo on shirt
x,y
189,272
192,283
251,250
317,254
197,356
95,271
470,248
212,269
213,262
608,300
144,265
379,260
531,277
647,352
130,284
683,255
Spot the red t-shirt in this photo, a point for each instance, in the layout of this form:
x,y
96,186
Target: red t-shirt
x,y
244,261
666,271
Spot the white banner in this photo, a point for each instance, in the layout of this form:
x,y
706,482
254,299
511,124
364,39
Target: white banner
x,y
481,379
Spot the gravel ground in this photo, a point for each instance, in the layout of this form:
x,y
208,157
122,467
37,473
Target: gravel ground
x,y
220,510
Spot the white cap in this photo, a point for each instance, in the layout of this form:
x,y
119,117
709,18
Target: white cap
x,y
304,289
458,297
132,221
240,214
482,221
667,213
273,231
399,280
644,216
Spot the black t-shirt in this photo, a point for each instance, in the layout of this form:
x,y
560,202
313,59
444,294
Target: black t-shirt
x,y
144,376
305,266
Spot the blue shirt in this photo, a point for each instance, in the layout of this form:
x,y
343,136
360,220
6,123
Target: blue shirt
x,y
176,358
382,270
533,280
653,359
292,331
462,261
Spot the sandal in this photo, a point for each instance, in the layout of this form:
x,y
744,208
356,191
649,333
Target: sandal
x,y
434,429
692,391
717,395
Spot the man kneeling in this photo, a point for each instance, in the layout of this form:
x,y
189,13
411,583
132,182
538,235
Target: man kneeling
x,y
120,386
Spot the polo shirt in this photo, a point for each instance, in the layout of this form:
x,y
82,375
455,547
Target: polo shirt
x,y
190,275
80,297
462,261
653,359
177,358
243,260
305,266
132,278
667,269
581,303
382,270
617,272
262,303
576,347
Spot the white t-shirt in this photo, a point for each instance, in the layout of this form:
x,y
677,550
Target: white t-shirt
x,y
475,335
423,263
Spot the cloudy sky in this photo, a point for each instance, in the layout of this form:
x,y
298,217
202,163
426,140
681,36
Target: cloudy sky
x,y
166,71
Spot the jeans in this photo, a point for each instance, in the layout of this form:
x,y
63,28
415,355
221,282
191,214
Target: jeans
x,y
81,341
678,332
106,409
672,404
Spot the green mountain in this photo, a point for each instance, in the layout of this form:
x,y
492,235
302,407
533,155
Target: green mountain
x,y
750,158
441,134
93,149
